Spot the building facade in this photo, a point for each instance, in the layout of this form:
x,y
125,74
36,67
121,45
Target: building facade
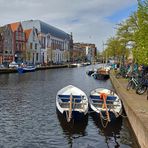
x,y
13,43
34,42
1,44
91,52
84,52
18,42
7,36
55,43
33,48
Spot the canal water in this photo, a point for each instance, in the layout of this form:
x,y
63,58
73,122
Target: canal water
x,y
28,117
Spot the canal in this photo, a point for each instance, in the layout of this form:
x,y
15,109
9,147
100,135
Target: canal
x,y
28,117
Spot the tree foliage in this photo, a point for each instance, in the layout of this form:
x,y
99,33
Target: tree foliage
x,y
141,34
132,36
114,48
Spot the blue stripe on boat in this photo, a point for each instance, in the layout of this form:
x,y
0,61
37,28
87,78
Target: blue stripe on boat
x,y
111,98
66,98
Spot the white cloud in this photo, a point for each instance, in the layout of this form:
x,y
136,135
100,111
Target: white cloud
x,y
84,18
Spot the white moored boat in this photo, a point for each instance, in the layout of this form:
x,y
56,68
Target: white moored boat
x,y
106,103
72,103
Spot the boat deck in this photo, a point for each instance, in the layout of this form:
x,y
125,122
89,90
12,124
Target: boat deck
x,y
76,106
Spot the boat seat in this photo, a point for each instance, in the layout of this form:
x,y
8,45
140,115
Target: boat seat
x,y
66,98
109,98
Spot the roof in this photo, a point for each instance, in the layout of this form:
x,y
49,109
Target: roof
x,y
14,26
27,32
45,28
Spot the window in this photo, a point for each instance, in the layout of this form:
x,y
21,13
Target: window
x,y
43,42
37,56
22,46
30,45
23,36
36,45
17,47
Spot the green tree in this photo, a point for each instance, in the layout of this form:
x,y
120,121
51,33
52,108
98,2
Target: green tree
x,y
114,48
125,37
132,36
141,35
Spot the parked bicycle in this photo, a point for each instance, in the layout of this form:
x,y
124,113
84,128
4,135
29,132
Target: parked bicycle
x,y
133,82
122,73
143,85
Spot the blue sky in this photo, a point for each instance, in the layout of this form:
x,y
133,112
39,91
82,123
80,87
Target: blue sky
x,y
122,14
90,21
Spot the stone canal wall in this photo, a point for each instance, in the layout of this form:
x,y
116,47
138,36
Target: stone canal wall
x,y
13,70
7,70
136,108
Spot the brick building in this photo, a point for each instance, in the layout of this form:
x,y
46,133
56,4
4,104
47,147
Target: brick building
x,y
84,52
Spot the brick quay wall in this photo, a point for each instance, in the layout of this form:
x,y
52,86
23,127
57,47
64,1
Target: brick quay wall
x,y
136,108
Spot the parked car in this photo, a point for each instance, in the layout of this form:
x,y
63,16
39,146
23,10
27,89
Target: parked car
x,y
13,65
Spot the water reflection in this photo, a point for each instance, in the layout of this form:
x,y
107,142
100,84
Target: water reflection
x,y
74,129
111,132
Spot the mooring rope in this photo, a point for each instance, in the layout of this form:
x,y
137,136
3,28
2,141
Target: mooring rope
x,y
104,97
104,106
69,112
102,118
102,121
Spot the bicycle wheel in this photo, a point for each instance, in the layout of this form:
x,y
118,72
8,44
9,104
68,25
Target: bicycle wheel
x,y
141,89
133,85
129,85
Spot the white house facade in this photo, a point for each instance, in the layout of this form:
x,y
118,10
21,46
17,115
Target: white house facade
x,y
89,54
33,47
